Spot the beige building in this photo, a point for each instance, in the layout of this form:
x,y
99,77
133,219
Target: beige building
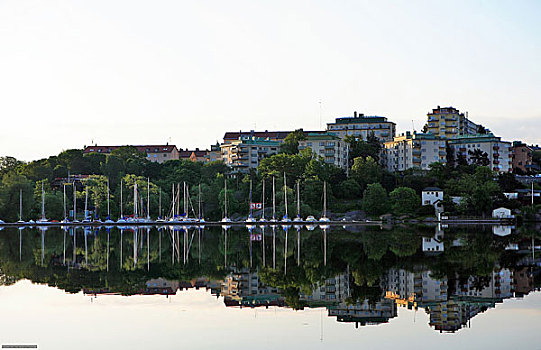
x,y
154,153
246,152
448,122
331,148
360,126
499,153
413,151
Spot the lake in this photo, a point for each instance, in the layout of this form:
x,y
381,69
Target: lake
x,y
372,287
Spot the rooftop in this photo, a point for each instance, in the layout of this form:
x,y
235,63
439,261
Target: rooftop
x,y
141,148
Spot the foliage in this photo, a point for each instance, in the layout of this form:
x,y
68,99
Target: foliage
x,y
404,200
375,200
291,142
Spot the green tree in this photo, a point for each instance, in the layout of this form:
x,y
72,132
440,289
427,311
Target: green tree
x,y
9,164
404,200
291,142
366,171
375,200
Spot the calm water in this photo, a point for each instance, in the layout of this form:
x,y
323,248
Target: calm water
x,y
370,287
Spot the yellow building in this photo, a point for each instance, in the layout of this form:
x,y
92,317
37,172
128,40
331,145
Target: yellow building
x,y
448,122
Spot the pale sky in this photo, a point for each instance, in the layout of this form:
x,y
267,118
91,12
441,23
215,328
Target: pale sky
x,y
135,72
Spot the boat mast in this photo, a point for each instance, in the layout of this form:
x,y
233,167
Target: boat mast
x,y
273,199
263,201
185,199
225,197
173,196
135,200
298,199
199,203
86,201
148,197
42,202
64,190
74,202
250,198
160,204
108,208
121,213
285,194
21,204
324,199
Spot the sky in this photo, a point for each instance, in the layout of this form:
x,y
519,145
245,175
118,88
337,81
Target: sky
x,y
74,73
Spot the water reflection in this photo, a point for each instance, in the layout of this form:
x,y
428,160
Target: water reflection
x,y
361,275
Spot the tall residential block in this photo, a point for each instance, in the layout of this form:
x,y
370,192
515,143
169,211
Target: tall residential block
x,y
246,152
331,148
499,153
448,122
413,150
360,126
522,157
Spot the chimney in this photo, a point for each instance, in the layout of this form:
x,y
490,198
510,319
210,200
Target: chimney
x,y
354,114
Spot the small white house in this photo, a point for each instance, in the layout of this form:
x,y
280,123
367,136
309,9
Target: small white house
x,y
432,196
502,213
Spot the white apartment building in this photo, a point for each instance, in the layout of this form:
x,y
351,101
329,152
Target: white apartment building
x,y
361,126
448,122
246,152
499,153
413,151
331,148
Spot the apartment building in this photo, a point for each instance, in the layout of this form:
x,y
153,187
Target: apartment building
x,y
195,155
246,152
448,122
362,126
278,136
154,153
331,148
333,290
522,157
499,153
413,150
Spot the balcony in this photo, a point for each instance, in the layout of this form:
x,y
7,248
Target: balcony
x,y
496,162
416,152
329,146
442,153
496,155
496,148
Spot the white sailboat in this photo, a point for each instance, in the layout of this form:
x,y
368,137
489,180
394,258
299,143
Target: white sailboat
x,y
108,221
263,220
75,203
43,219
160,219
324,218
298,217
201,219
250,218
285,218
86,218
121,220
21,221
225,218
273,219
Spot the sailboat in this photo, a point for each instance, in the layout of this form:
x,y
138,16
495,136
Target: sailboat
x,y
273,219
108,221
86,219
121,220
75,203
250,218
324,218
42,220
21,221
160,219
201,219
298,218
286,217
225,219
263,220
